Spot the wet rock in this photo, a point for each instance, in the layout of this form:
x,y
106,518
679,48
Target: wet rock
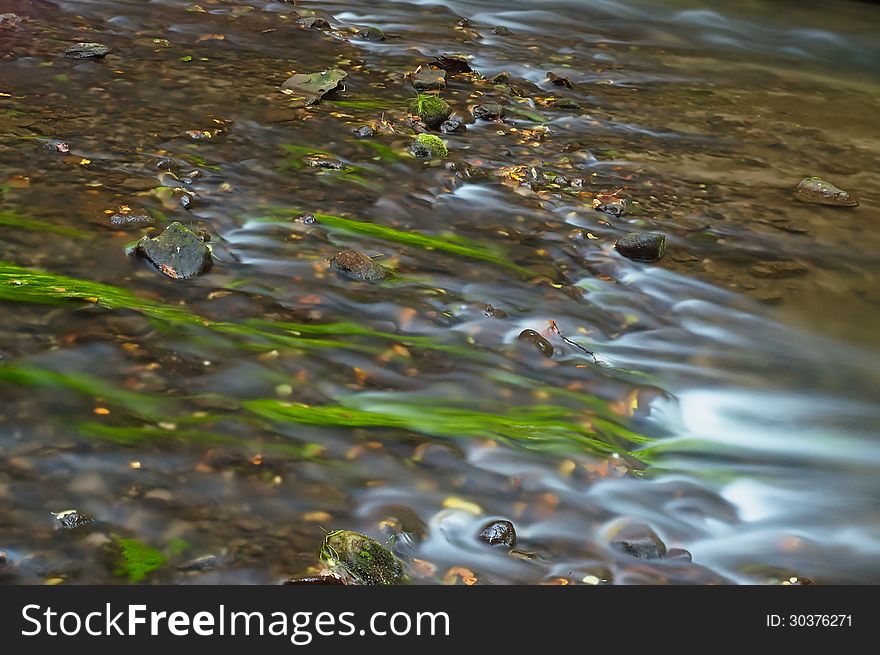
x,y
56,146
187,200
87,51
9,21
679,554
453,126
639,541
314,23
501,78
307,219
71,519
494,312
642,246
178,252
131,219
426,78
777,269
315,580
610,204
489,112
431,109
355,556
204,563
5,564
817,190
539,342
453,64
370,34
498,533
501,30
568,104
428,146
558,80
464,22
312,87
364,131
467,172
322,161
358,266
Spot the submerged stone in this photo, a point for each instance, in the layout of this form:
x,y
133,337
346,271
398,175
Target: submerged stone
x,y
86,51
610,204
431,109
124,218
355,556
817,190
642,246
178,252
313,86
57,146
639,541
314,23
772,269
428,146
364,131
489,112
567,103
429,79
539,342
498,533
70,519
453,64
358,266
501,30
370,34
452,126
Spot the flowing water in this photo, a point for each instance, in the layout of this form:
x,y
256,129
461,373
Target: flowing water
x,y
732,403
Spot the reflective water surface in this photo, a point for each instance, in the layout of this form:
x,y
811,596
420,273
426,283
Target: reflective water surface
x,y
730,403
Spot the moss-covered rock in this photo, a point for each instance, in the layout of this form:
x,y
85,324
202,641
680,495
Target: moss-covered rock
x,y
431,109
370,34
428,146
355,556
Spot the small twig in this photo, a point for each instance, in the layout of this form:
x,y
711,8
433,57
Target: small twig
x,y
555,328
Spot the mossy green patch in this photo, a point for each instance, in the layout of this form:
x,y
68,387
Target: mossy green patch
x,y
135,561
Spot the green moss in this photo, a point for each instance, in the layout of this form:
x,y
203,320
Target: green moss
x,y
12,219
449,242
541,428
432,109
429,146
135,560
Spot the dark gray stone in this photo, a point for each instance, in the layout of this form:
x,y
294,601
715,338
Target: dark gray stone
x,y
489,112
642,246
178,252
87,51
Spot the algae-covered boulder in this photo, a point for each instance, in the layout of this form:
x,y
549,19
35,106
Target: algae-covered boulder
x,y
356,557
431,109
428,146
311,87
817,190
178,252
